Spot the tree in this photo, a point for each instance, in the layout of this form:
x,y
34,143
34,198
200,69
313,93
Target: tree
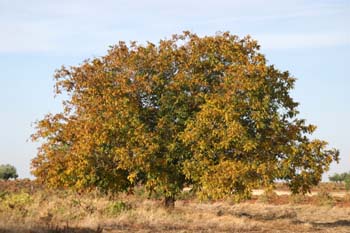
x,y
339,177
347,183
342,177
8,172
203,111
336,178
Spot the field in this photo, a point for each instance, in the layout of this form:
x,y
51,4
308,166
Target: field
x,y
26,207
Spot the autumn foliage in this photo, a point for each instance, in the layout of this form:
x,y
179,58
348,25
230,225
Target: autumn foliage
x,y
202,111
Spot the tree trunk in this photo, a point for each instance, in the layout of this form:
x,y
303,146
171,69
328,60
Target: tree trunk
x,y
169,202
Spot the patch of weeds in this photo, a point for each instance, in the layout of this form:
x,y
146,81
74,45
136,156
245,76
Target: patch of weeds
x,y
140,191
268,197
324,198
75,202
60,210
117,207
297,198
17,202
3,194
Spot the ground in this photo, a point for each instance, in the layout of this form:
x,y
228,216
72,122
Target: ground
x,y
32,210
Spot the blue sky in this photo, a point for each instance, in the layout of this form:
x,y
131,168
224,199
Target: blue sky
x,y
311,39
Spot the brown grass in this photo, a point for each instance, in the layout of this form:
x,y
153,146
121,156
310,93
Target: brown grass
x,y
62,211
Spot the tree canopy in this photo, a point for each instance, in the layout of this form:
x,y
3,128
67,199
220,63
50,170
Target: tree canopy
x,y
341,177
8,172
202,111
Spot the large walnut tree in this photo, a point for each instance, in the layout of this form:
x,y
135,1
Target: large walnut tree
x,y
202,111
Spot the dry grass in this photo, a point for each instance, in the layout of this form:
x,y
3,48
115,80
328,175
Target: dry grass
x,y
69,212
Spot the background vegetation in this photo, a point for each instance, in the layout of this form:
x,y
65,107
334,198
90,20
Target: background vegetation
x,y
8,172
342,177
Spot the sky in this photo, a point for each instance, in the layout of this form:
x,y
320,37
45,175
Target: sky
x,y
311,39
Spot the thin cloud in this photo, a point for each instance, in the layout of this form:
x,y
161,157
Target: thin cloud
x,y
66,27
298,41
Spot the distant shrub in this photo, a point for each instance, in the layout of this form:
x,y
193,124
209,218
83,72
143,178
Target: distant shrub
x,y
8,172
347,183
342,177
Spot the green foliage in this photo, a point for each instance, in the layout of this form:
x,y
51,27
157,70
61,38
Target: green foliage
x,y
347,183
339,177
335,178
3,194
17,202
117,207
342,177
208,112
8,172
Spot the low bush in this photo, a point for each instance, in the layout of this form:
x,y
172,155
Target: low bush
x,y
17,203
115,208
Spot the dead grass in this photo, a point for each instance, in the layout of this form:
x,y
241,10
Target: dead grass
x,y
70,212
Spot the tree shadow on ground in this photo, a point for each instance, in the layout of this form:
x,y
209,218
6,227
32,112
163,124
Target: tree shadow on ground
x,y
293,217
110,228
38,229
339,223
